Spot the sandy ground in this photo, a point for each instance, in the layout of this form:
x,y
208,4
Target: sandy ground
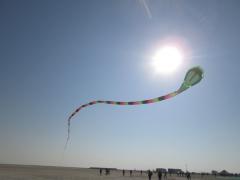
x,y
16,172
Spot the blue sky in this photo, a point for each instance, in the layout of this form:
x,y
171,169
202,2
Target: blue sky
x,y
57,55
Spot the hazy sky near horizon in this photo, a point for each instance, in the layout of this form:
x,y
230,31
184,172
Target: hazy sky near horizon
x,y
57,55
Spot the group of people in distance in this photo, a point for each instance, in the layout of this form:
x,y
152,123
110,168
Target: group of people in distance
x,y
149,173
130,172
107,171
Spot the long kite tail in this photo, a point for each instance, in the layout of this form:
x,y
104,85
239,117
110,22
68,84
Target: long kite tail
x,y
148,101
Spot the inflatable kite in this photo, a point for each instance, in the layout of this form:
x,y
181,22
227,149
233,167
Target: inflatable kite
x,y
192,77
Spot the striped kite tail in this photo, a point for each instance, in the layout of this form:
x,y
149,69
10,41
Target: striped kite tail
x,y
122,103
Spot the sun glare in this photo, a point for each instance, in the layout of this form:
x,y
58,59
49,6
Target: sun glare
x,y
167,60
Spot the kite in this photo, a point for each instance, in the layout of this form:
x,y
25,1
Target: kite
x,y
192,77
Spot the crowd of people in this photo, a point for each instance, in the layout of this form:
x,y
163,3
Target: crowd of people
x,y
149,173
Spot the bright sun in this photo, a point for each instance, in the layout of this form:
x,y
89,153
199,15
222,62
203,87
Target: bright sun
x,y
167,59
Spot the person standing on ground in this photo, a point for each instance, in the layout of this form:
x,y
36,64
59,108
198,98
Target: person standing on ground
x,y
100,171
188,176
165,175
159,175
123,172
130,172
150,175
107,171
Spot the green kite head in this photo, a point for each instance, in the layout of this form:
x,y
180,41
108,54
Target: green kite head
x,y
192,77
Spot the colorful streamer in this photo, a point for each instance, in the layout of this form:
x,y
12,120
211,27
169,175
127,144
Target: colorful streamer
x,y
192,77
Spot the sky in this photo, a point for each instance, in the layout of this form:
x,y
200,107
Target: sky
x,y
56,55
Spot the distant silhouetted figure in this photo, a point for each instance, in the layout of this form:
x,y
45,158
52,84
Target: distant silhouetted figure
x,y
150,174
130,172
188,176
100,171
123,172
141,172
159,175
107,171
165,175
